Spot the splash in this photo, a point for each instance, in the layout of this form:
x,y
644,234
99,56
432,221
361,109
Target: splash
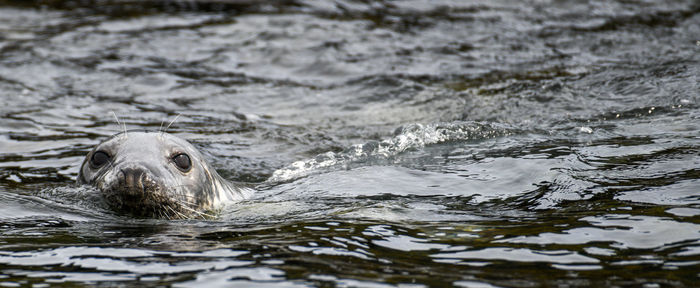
x,y
406,138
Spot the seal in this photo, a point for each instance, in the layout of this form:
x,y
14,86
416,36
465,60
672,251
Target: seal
x,y
156,175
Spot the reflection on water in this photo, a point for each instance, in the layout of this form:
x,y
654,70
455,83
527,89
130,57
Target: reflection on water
x,y
639,232
409,143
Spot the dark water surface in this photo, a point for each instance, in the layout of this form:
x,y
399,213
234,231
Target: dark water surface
x,y
392,143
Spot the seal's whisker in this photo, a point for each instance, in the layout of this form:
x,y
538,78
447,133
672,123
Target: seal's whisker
x,y
171,122
180,215
182,195
120,123
200,213
189,200
167,212
110,162
185,202
160,129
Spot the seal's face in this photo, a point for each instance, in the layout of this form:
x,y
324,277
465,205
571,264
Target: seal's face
x,y
151,174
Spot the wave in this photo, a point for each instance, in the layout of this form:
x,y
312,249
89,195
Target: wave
x,y
407,137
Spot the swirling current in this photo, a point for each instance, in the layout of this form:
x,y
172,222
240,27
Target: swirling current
x,y
551,143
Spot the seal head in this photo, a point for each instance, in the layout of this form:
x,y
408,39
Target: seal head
x,y
155,175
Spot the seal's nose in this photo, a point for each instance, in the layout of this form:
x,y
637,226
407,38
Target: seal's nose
x,y
134,179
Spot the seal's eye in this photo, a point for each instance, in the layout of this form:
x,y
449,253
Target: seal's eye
x,y
182,161
98,159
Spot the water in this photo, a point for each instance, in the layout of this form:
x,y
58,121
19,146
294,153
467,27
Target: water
x,y
406,143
